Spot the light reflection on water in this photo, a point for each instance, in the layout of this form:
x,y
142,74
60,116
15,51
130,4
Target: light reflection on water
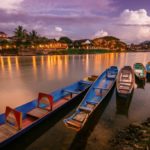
x,y
21,78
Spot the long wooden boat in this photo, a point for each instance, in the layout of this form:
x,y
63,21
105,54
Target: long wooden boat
x,y
15,122
139,71
125,81
98,91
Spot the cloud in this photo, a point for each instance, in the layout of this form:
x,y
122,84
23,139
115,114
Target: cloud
x,y
58,29
100,33
134,17
10,5
132,26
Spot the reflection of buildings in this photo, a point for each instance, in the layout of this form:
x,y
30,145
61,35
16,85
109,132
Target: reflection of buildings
x,y
122,105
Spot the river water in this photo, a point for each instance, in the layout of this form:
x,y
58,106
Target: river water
x,y
21,78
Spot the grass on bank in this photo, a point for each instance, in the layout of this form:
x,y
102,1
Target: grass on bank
x,y
61,52
79,51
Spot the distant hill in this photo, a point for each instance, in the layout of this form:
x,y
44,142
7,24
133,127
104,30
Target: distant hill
x,y
142,46
109,42
108,38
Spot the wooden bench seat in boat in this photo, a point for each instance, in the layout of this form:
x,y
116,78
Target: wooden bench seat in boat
x,y
78,119
90,106
38,112
80,116
99,88
41,111
84,82
72,92
126,88
6,131
92,102
125,84
102,90
12,125
110,75
86,109
74,123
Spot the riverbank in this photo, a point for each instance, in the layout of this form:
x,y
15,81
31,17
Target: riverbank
x,y
67,52
135,137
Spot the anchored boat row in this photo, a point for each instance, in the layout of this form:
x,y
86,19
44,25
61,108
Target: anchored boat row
x,y
15,122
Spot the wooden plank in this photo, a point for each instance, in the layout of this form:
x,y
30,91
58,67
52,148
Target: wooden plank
x,y
38,112
6,131
80,116
59,103
86,109
74,123
72,92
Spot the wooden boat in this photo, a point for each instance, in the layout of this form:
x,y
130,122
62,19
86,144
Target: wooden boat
x,y
15,122
148,68
139,71
122,106
125,81
98,91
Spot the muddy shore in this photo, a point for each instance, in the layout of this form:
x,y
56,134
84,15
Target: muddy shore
x,y
135,137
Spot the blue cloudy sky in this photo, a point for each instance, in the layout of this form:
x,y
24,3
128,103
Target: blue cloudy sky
x,y
127,19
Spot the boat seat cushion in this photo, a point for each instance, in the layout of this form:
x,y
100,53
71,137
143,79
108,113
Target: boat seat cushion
x,y
38,112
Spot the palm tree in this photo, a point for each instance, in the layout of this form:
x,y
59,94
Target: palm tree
x,y
20,35
33,38
33,35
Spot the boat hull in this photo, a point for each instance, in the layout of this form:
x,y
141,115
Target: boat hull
x,y
140,71
91,101
29,106
123,95
125,82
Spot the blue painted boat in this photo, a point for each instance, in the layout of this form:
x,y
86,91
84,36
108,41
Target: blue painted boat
x,y
95,95
15,122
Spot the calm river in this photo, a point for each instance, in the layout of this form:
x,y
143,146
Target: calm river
x,y
21,78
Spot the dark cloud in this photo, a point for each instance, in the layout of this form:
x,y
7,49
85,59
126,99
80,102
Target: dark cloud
x,y
77,18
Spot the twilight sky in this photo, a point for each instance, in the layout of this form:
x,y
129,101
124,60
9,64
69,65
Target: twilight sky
x,y
128,20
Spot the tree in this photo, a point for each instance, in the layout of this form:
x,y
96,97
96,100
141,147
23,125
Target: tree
x,y
20,35
67,40
33,35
